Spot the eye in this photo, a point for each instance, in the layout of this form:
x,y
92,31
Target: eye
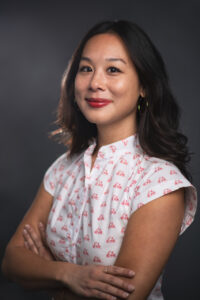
x,y
113,70
85,69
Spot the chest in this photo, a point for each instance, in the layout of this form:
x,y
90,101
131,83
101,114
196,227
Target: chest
x,y
90,213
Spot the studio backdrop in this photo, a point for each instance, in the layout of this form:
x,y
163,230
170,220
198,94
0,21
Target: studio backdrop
x,y
37,40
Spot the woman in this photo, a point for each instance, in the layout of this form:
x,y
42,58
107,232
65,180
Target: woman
x,y
120,196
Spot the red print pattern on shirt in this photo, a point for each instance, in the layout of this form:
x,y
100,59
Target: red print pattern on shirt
x,y
96,245
161,179
148,181
100,218
125,202
111,225
115,198
60,218
150,193
110,254
98,231
117,185
120,173
110,240
96,259
113,211
91,210
85,251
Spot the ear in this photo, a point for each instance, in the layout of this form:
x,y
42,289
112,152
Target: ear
x,y
142,92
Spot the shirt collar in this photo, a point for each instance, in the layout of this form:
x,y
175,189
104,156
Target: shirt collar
x,y
129,144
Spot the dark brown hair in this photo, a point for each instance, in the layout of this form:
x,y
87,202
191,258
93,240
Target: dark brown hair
x,y
157,122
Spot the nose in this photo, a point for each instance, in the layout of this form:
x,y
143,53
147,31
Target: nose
x,y
97,81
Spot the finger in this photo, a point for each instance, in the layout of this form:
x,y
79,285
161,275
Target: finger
x,y
88,293
26,245
42,232
115,270
29,242
118,283
106,291
35,238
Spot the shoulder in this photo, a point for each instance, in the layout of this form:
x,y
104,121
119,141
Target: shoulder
x,y
62,162
58,165
160,173
158,178
56,171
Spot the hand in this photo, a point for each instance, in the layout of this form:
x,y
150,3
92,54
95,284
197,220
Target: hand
x,y
37,243
91,281
100,282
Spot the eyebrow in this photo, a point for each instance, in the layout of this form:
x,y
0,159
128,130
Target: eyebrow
x,y
108,59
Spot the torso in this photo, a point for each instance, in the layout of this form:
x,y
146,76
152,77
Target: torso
x,y
95,195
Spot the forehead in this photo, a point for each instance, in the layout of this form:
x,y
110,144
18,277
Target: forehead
x,y
106,45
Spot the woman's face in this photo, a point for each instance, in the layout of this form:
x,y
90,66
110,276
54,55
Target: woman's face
x,y
106,85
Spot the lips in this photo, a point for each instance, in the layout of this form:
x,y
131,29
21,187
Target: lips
x,y
98,102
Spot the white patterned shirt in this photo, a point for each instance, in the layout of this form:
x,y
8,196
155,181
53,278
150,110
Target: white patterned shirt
x,y
91,209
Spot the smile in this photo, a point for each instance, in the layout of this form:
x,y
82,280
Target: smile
x,y
97,102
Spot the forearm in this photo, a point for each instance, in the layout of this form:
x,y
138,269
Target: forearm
x,y
144,279
143,287
30,270
66,294
69,295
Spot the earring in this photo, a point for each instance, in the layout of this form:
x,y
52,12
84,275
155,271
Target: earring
x,y
141,105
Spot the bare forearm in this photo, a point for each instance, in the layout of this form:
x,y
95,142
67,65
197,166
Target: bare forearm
x,y
143,281
30,270
69,295
65,294
143,288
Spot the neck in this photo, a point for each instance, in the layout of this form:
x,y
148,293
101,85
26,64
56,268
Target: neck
x,y
111,134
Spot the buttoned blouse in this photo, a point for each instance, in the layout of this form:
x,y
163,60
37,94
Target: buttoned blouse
x,y
91,208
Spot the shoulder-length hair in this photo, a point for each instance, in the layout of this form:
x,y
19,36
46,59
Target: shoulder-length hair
x,y
158,117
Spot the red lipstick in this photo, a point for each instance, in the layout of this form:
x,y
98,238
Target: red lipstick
x,y
98,102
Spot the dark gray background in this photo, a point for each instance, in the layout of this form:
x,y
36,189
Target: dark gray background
x,y
36,42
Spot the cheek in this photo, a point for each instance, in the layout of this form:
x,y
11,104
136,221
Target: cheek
x,y
77,82
118,87
125,87
78,86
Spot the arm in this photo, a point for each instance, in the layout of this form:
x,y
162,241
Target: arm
x,y
33,271
37,244
150,236
23,266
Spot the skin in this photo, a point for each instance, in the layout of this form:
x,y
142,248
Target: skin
x,y
143,237
32,271
144,249
105,71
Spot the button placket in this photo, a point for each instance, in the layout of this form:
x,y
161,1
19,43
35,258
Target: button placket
x,y
79,211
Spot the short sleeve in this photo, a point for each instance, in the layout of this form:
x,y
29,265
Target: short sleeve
x,y
54,173
160,179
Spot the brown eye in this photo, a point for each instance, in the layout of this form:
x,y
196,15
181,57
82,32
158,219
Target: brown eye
x,y
113,70
85,69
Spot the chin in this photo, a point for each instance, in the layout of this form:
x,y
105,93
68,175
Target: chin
x,y
97,118
95,121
